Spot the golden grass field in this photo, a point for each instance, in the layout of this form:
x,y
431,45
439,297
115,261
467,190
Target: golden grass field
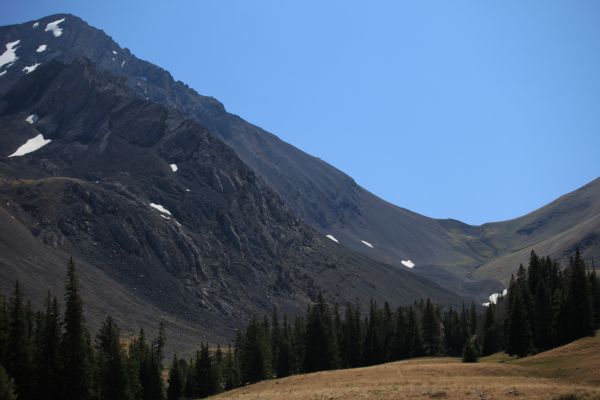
x,y
573,369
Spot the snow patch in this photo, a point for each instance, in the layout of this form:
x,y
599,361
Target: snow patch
x,y
31,68
114,52
2,73
160,208
493,299
31,145
331,237
54,28
42,48
173,167
32,119
408,263
35,25
187,190
10,54
367,244
123,63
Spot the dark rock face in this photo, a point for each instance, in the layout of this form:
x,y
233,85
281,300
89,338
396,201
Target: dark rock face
x,y
167,210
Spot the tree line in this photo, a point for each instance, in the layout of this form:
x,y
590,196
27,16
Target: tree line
x,y
52,355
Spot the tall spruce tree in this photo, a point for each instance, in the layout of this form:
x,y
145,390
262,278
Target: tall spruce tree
x,y
112,378
490,338
519,340
48,365
579,301
255,353
431,338
8,391
18,347
77,378
175,381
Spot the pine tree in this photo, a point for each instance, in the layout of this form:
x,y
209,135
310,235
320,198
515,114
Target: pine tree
x,y
431,337
111,370
3,329
284,359
579,301
595,291
321,347
413,335
256,353
351,338
471,352
400,336
490,339
519,341
7,386
231,370
18,349
373,348
48,355
175,389
75,344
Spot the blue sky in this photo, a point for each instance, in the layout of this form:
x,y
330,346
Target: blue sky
x,y
473,110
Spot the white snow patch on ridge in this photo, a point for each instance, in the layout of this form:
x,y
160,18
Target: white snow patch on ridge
x,y
408,263
31,145
42,48
114,52
31,68
367,244
2,73
160,208
10,54
173,167
494,298
54,28
331,237
32,119
35,25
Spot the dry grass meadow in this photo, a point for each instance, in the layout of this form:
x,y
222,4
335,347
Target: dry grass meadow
x,y
569,372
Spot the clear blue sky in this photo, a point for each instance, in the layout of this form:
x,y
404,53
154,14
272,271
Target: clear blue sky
x,y
475,110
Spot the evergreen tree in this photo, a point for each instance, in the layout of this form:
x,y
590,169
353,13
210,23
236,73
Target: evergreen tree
x,y
595,291
284,359
413,335
351,338
3,329
490,339
75,342
471,351
431,338
231,370
175,381
48,364
373,348
321,347
18,349
7,386
579,301
400,336
255,353
519,341
111,370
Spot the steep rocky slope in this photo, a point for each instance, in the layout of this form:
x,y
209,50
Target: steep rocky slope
x,y
453,254
162,209
318,193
